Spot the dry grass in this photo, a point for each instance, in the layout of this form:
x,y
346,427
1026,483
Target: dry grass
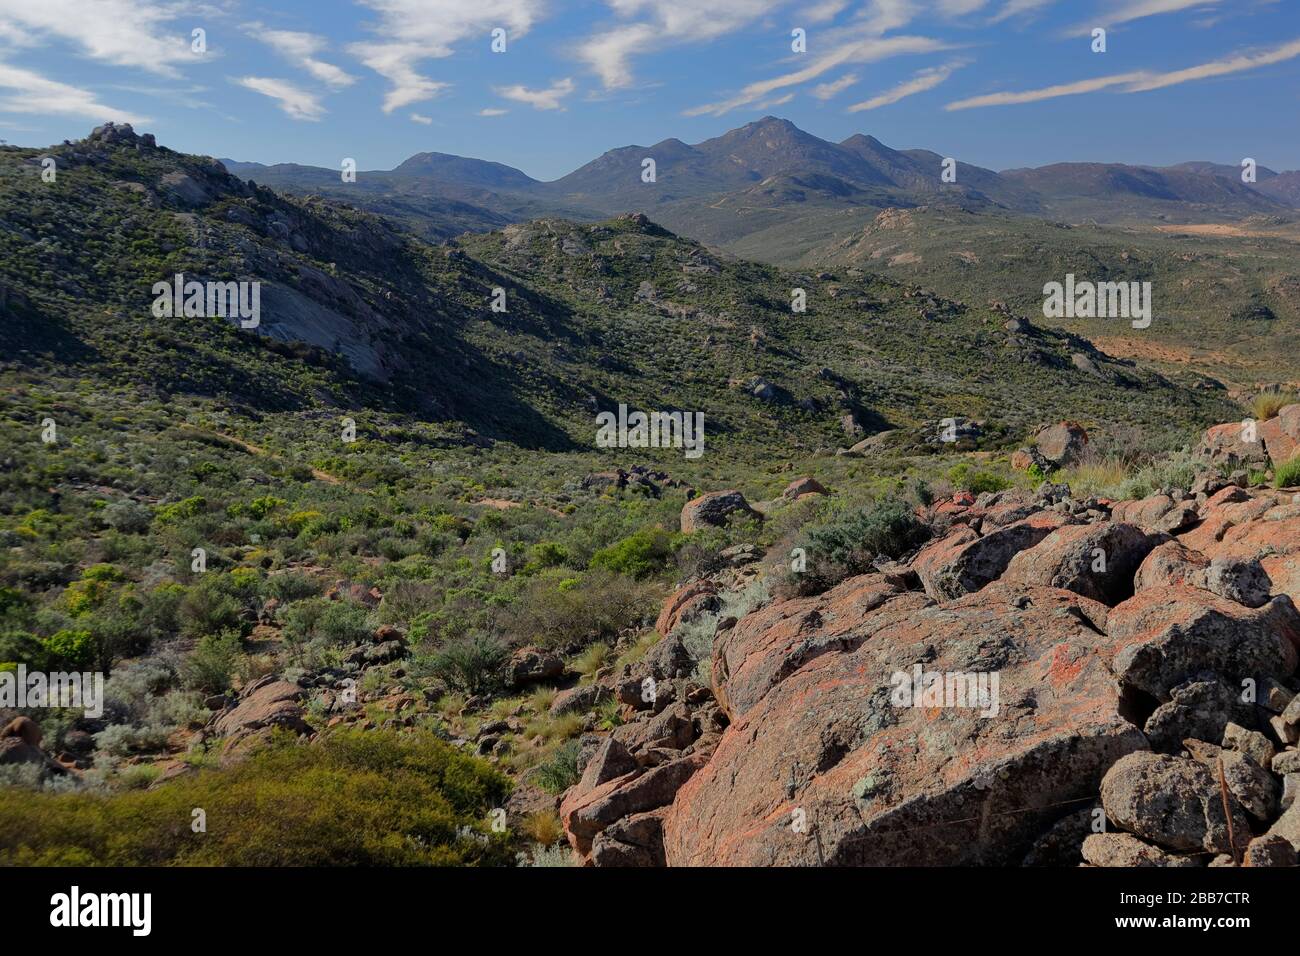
x,y
1103,478
1266,406
591,660
543,827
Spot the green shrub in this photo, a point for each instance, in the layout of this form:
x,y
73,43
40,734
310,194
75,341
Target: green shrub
x,y
212,663
470,664
571,612
1288,473
851,543
559,771
637,555
392,801
71,649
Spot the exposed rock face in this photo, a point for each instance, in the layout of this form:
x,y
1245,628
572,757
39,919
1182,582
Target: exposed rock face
x,y
1163,636
1281,434
1229,445
686,603
715,508
1097,561
879,783
266,704
1062,444
1171,801
1120,636
964,561
1124,849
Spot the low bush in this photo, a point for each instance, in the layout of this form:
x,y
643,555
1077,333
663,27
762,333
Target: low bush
x,y
393,801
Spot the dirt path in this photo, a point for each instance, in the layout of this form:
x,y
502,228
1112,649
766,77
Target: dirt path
x,y
261,452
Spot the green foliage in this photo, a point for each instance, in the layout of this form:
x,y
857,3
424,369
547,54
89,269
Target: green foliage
x,y
1287,474
559,771
851,543
638,555
392,801
213,661
976,480
180,510
470,664
71,649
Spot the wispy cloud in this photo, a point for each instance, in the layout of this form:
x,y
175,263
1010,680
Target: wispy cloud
x,y
1131,10
1017,8
118,32
294,101
926,79
301,50
550,98
492,111
29,92
1139,81
664,23
421,119
868,50
824,91
410,32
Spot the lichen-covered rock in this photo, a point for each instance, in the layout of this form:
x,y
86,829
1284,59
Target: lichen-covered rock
x,y
823,764
715,509
1164,636
1171,801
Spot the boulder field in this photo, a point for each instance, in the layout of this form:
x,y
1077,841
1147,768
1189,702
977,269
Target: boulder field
x,y
1047,681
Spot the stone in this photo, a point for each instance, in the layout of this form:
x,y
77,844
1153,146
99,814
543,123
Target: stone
x,y
1269,850
1202,708
529,665
1164,636
267,703
965,562
636,840
1062,444
806,485
882,783
715,509
1095,560
1124,849
1173,802
688,602
1249,742
585,812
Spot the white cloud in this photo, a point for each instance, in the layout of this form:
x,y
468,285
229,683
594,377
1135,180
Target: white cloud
x,y
1137,10
868,50
300,49
824,10
492,111
412,31
547,99
824,91
33,93
1140,81
422,119
924,80
118,32
1014,8
959,8
664,23
294,101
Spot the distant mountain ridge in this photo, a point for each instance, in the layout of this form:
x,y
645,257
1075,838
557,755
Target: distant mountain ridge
x,y
771,165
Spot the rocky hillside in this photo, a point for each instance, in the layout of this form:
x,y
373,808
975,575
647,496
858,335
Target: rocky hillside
x,y
1145,713
356,313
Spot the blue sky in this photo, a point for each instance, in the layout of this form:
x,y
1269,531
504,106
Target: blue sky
x,y
1000,83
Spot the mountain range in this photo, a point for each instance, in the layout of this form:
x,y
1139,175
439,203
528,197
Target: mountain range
x,y
741,182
